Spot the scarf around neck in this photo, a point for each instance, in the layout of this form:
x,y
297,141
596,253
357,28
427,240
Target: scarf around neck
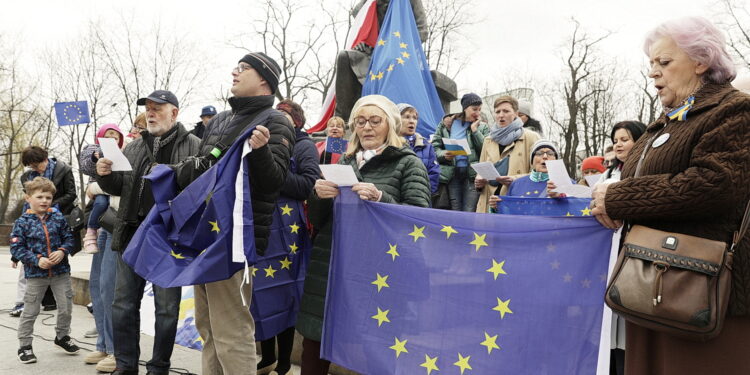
x,y
48,173
507,135
412,139
538,176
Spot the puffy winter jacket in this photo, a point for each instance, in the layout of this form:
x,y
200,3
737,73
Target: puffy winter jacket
x,y
33,238
402,178
268,164
475,140
426,153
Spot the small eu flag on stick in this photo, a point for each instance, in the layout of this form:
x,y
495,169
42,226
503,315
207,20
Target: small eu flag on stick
x,y
72,113
336,145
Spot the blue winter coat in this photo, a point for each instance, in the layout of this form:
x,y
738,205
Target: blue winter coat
x,y
426,153
33,238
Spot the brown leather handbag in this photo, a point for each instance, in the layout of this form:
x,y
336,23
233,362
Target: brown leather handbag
x,y
673,283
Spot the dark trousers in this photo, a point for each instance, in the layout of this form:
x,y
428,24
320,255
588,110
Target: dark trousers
x,y
126,320
268,349
617,362
312,364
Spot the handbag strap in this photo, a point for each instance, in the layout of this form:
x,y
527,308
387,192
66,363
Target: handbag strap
x,y
738,234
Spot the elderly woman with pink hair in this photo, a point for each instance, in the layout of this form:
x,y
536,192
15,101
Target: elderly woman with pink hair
x,y
692,178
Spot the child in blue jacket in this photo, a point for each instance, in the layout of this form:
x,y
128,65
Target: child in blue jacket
x,y
42,241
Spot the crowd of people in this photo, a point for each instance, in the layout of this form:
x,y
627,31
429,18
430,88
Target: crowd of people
x,y
685,173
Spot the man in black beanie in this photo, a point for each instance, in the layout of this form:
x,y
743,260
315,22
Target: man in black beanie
x,y
223,321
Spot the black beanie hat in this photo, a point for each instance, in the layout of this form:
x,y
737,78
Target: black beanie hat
x,y
469,100
265,66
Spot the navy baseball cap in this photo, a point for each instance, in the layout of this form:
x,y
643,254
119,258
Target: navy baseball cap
x,y
208,110
160,96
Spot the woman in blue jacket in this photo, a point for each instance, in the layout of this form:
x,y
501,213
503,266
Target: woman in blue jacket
x,y
422,147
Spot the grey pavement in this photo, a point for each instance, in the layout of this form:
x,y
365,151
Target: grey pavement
x,y
51,359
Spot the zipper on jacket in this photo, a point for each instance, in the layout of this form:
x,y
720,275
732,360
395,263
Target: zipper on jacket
x,y
46,235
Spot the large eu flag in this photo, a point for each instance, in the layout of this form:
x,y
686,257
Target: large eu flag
x,y
399,70
205,233
413,291
279,275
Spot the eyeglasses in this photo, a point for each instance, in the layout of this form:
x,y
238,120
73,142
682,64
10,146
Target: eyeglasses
x,y
241,68
542,153
374,121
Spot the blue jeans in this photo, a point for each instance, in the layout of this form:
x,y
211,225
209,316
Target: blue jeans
x,y
126,320
463,195
100,206
102,289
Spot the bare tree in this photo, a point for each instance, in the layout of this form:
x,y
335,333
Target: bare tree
x,y
141,61
77,73
297,44
576,90
736,19
647,102
445,19
22,123
603,107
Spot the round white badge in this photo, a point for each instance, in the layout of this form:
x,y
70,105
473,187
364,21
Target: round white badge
x,y
662,139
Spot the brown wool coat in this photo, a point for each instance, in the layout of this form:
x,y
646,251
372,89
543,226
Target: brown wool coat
x,y
697,183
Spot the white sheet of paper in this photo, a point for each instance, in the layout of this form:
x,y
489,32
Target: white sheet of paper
x,y
112,152
592,180
341,175
486,170
461,142
577,191
558,174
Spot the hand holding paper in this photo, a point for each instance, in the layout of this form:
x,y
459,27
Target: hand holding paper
x,y
113,153
559,176
486,170
341,175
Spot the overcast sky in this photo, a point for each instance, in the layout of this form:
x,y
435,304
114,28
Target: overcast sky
x,y
501,36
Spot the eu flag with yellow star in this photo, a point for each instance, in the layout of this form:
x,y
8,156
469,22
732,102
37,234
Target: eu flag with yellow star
x,y
544,206
414,291
203,234
72,113
399,69
279,275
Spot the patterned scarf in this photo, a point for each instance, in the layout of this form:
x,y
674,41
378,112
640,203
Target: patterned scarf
x,y
48,173
159,142
538,176
507,135
412,139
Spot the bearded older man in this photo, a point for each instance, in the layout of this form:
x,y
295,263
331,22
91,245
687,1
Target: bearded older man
x,y
167,142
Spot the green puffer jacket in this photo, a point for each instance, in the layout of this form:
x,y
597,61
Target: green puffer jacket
x,y
402,178
475,140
